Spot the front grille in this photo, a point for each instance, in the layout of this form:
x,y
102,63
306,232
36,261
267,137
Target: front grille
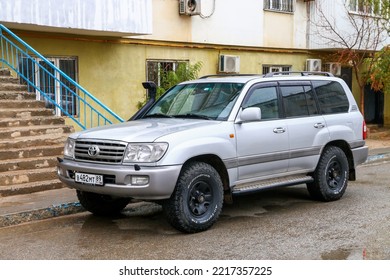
x,y
107,151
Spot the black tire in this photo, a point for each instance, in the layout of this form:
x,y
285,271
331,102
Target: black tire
x,y
330,176
197,200
102,205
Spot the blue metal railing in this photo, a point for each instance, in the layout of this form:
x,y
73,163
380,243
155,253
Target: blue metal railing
x,y
59,91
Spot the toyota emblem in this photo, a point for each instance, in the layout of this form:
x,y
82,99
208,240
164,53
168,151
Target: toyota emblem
x,y
93,151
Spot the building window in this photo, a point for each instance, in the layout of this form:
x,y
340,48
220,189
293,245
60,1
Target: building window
x,y
276,68
56,88
279,5
155,69
368,7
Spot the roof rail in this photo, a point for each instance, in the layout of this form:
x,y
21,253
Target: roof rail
x,y
302,73
229,75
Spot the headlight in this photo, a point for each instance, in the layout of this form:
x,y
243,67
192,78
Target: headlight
x,y
69,148
147,152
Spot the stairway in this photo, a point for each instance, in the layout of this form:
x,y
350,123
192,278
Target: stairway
x,y
31,138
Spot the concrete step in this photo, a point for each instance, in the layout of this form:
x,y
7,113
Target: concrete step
x,y
27,163
12,133
30,188
9,80
47,120
29,103
33,151
27,176
41,141
5,72
17,95
12,87
25,113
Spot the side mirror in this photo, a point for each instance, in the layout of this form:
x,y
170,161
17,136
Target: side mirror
x,y
250,114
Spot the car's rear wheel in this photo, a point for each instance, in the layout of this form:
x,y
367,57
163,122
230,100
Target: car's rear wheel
x,y
197,200
330,176
102,205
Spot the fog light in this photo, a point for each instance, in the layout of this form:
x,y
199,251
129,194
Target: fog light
x,y
139,180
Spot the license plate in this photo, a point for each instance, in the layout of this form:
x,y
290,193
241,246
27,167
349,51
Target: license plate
x,y
90,179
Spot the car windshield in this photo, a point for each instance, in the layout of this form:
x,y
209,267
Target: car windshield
x,y
197,100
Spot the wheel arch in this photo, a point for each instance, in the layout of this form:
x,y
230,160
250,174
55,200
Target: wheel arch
x,y
217,163
344,146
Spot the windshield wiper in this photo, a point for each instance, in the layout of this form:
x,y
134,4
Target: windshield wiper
x,y
157,115
192,116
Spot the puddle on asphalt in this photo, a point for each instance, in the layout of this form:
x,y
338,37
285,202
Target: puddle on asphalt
x,y
345,254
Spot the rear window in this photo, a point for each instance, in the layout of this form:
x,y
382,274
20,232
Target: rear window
x,y
331,97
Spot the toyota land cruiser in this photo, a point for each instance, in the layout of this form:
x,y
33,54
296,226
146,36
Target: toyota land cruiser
x,y
207,140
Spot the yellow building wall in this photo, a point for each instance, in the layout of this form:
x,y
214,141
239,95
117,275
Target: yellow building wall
x,y
113,70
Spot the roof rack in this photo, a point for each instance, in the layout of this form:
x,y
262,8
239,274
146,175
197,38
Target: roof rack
x,y
229,75
302,73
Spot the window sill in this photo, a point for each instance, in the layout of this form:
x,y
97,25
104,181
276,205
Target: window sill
x,y
278,11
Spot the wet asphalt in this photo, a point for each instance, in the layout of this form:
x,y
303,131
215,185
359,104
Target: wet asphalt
x,y
279,224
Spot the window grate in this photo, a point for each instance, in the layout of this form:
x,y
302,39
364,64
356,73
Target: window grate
x,y
279,5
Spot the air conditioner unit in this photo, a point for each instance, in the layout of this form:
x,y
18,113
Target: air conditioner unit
x,y
229,64
313,65
189,7
333,67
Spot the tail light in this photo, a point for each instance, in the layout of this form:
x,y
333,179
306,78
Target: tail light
x,y
364,130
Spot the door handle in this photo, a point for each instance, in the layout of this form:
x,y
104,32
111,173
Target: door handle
x,y
319,125
279,130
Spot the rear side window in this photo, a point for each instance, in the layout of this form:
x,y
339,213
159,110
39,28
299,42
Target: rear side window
x,y
331,97
298,101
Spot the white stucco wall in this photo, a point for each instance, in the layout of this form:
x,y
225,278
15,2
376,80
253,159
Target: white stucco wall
x,y
336,12
232,23
118,16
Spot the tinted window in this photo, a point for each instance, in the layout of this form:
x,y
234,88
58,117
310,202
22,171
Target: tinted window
x,y
298,101
266,98
331,97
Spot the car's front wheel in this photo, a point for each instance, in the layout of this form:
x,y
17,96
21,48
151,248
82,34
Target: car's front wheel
x,y
197,200
330,176
102,205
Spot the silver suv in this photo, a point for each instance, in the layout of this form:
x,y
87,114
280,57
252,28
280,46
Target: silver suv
x,y
207,140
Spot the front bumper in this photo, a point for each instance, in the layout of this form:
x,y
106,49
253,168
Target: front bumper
x,y
162,179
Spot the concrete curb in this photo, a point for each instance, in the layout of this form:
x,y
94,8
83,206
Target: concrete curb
x,y
378,157
40,214
378,154
18,209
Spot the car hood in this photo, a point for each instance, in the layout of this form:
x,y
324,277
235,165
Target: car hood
x,y
146,130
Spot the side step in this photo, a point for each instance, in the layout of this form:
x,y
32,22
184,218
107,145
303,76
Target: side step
x,y
271,183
